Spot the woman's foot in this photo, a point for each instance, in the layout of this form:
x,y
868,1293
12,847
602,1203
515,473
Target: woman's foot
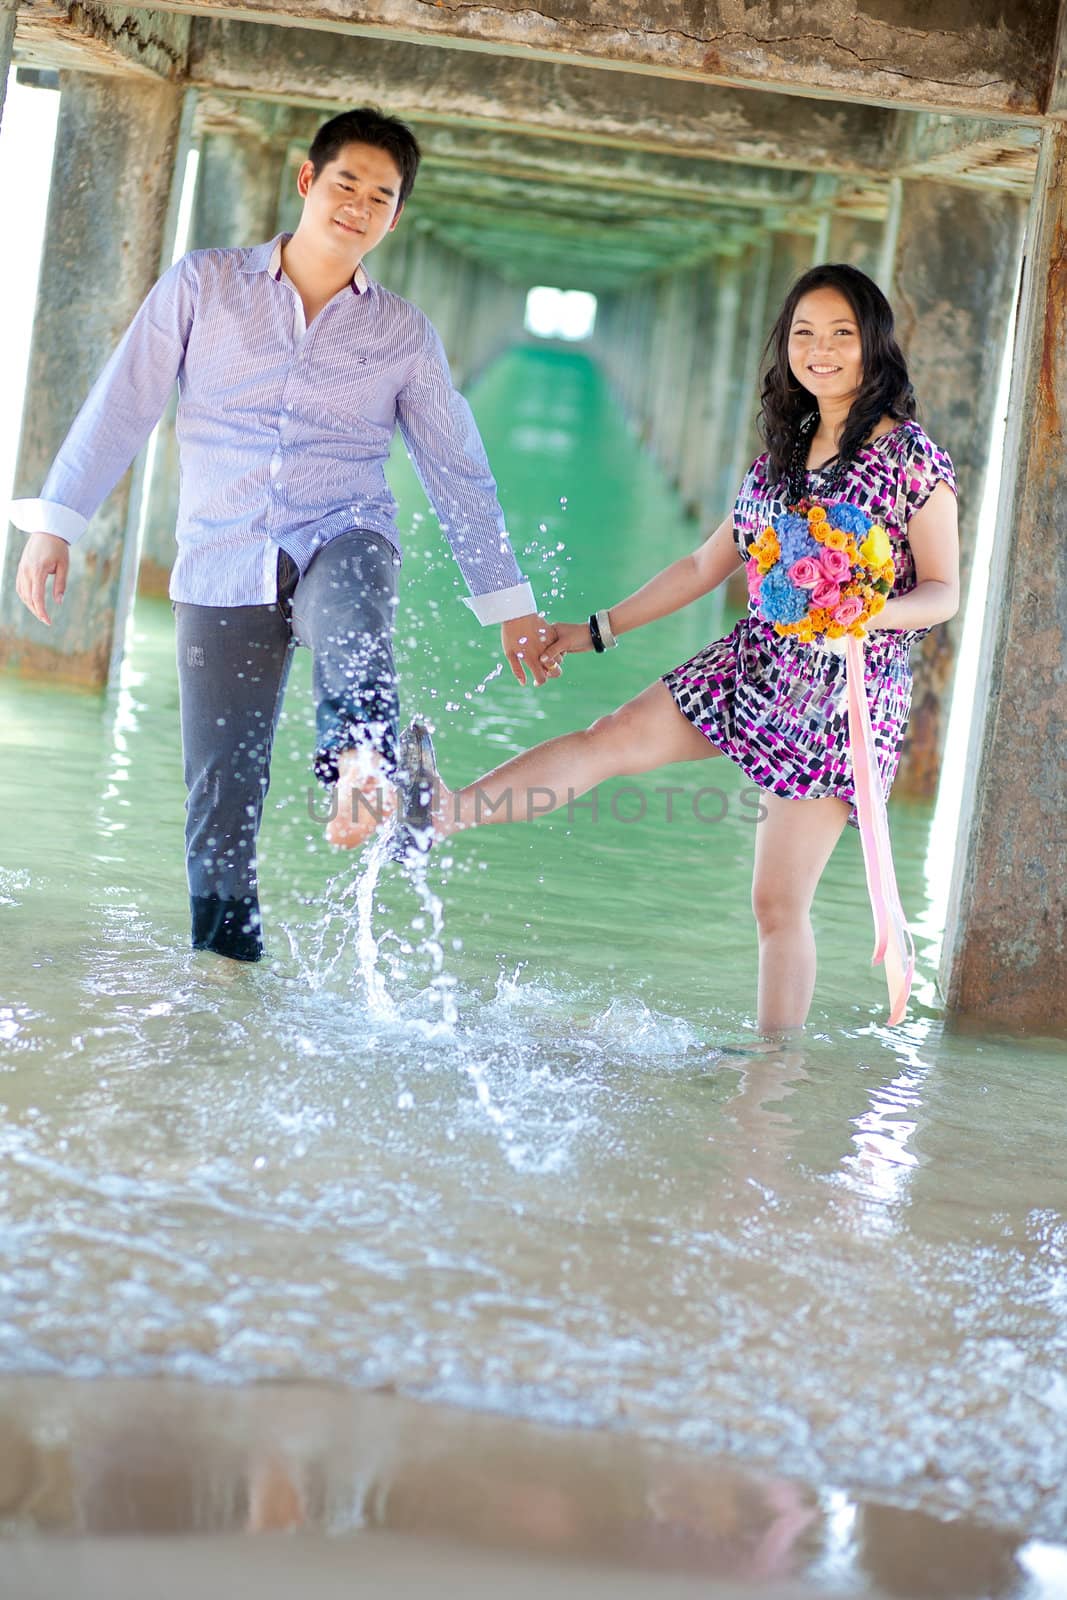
x,y
365,798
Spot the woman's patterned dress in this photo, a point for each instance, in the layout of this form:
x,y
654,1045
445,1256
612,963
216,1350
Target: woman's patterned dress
x,y
778,707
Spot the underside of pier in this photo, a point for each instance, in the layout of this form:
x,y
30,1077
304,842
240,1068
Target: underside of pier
x,y
683,163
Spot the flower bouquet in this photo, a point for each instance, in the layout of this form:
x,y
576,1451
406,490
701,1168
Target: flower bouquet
x,y
820,572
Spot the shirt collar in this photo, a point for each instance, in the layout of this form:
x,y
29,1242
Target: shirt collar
x,y
268,258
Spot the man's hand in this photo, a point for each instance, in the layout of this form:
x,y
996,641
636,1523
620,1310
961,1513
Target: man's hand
x,y
524,641
45,556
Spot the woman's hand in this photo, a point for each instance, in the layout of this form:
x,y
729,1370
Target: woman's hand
x,y
571,639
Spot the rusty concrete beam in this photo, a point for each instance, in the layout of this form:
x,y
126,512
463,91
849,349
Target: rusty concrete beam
x,y
516,96
964,150
488,153
104,39
988,57
1005,947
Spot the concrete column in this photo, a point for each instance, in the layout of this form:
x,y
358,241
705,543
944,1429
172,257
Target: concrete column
x,y
1005,948
957,261
710,422
674,359
238,184
111,181
7,41
857,241
695,464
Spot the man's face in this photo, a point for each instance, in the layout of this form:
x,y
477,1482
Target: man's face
x,y
355,200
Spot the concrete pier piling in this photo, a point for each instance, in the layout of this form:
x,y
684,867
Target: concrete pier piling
x,y
1005,949
111,183
952,321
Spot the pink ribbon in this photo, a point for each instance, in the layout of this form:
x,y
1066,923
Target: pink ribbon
x,y
892,936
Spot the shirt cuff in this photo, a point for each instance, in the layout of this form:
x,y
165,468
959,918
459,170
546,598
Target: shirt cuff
x,y
48,516
503,604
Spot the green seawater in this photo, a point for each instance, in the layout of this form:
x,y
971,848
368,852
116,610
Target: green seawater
x,y
476,1141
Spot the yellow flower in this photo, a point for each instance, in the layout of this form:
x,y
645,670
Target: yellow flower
x,y
875,604
783,628
876,549
858,631
835,539
817,514
804,630
887,573
835,631
819,619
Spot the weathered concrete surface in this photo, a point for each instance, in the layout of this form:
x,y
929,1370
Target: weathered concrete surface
x,y
111,180
235,203
1004,950
101,38
520,95
986,56
954,278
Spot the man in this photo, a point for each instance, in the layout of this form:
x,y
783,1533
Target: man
x,y
294,370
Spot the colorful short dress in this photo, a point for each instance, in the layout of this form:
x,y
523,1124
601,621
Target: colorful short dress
x,y
777,707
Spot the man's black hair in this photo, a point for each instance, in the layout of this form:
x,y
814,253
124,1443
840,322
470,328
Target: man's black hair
x,y
364,125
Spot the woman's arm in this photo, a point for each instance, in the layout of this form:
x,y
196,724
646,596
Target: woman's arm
x,y
933,534
676,586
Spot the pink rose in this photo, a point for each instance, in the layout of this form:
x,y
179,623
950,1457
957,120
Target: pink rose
x,y
825,594
804,573
849,611
754,576
835,565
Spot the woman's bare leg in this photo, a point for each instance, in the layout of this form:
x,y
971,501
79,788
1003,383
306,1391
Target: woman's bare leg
x,y
645,733
794,841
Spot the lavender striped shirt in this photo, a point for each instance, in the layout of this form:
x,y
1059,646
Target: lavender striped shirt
x,y
284,430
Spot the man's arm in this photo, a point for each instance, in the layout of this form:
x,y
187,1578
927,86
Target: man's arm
x,y
443,441
123,407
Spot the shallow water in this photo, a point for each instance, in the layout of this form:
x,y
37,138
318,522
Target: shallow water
x,y
480,1145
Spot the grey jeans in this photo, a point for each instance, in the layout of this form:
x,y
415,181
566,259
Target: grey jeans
x,y
233,663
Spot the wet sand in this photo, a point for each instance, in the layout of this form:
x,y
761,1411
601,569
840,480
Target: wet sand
x,y
121,1487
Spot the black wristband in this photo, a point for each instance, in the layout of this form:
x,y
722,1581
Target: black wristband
x,y
594,634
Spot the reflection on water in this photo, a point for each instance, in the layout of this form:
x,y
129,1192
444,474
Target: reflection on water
x,y
472,1140
167,1459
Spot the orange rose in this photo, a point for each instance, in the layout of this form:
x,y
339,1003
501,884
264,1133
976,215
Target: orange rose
x,y
835,539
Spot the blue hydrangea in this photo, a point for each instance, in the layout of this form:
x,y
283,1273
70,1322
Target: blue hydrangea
x,y
780,600
849,518
794,538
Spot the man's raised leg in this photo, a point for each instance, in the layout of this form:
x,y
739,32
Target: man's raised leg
x,y
232,666
344,609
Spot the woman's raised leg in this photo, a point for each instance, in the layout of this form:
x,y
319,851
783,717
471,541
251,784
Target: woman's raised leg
x,y
647,732
794,841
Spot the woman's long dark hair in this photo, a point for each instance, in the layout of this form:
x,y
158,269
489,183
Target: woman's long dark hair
x,y
886,389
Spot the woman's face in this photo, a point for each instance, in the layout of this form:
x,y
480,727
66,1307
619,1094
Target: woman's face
x,y
825,354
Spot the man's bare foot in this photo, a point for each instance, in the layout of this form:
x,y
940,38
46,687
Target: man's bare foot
x,y
365,798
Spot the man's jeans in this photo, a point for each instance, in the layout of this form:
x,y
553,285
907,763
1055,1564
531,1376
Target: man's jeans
x,y
233,662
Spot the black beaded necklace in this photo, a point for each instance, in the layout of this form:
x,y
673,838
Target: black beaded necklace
x,y
796,472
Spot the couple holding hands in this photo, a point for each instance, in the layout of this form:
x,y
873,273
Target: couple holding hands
x,y
294,370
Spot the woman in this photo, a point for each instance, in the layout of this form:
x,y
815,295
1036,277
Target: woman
x,y
838,416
